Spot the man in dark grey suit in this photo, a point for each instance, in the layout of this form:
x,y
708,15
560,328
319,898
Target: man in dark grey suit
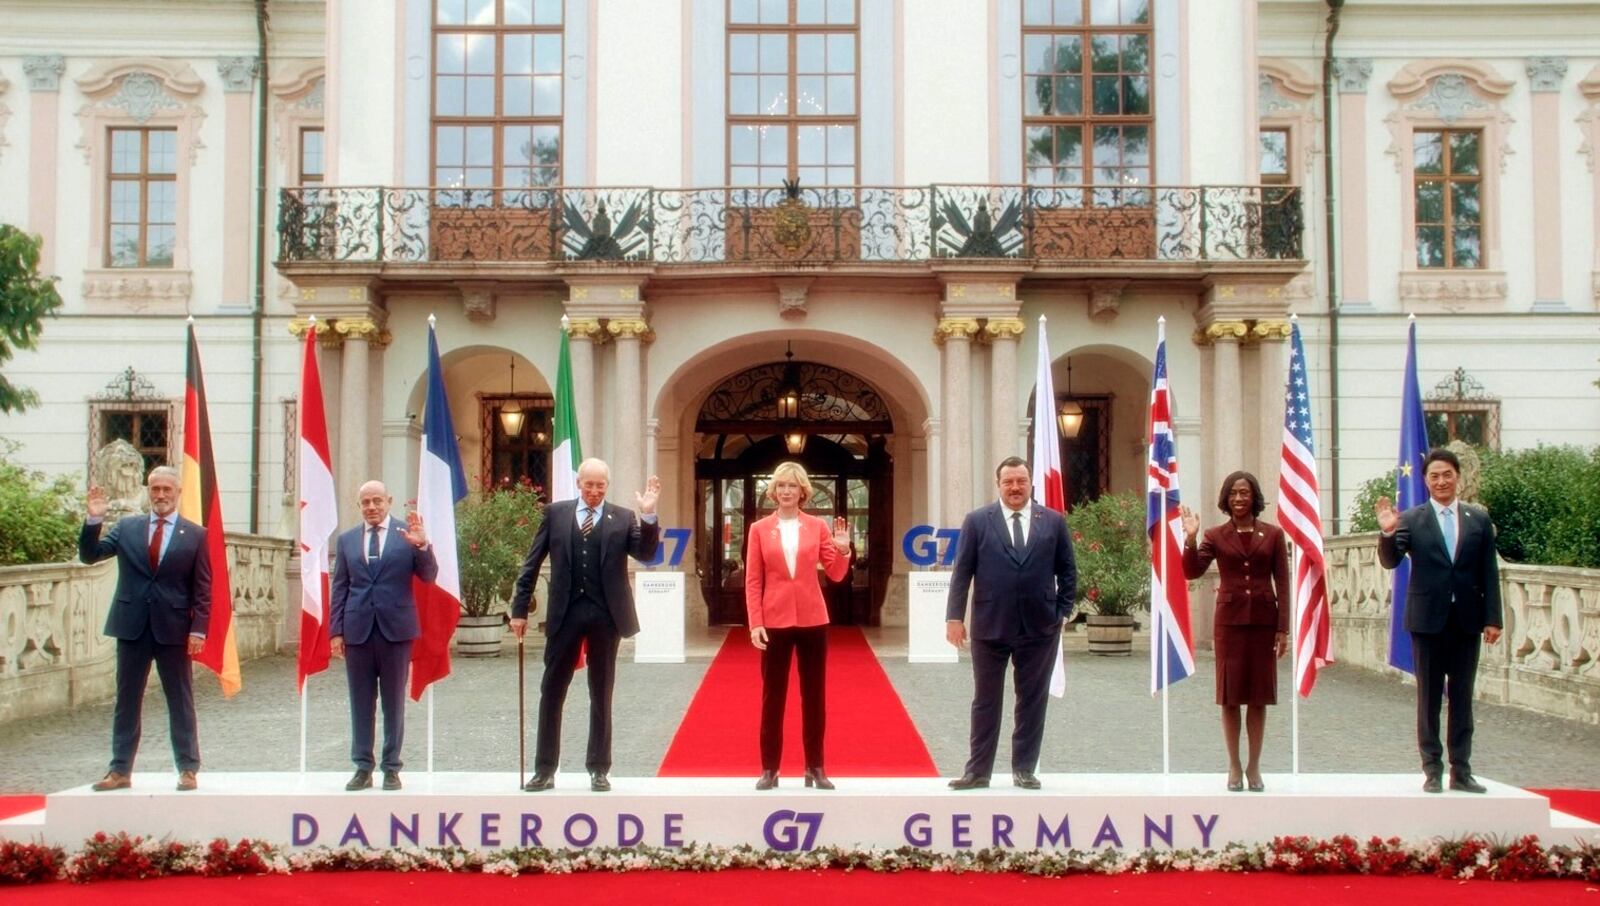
x,y
158,614
588,541
1018,555
1452,597
372,621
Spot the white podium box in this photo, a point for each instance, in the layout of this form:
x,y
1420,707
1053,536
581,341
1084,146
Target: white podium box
x,y
925,618
658,596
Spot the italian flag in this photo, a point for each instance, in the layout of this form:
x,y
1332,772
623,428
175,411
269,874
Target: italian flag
x,y
568,452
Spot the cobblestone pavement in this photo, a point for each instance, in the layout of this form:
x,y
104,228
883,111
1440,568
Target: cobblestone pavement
x,y
1357,721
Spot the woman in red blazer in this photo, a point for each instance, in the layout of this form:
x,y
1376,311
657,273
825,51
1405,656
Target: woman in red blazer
x,y
1250,627
787,614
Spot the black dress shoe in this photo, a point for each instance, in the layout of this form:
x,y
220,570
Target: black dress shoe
x,y
815,777
969,782
542,780
1466,784
1432,784
767,781
1024,780
598,782
362,780
391,780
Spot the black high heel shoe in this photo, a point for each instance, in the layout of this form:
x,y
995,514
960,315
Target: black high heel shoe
x,y
769,779
815,777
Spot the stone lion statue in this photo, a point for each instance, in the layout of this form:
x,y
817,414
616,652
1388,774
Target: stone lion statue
x,y
118,468
1471,470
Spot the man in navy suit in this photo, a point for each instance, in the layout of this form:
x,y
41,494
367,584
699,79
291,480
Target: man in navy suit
x,y
1018,555
158,614
588,542
1453,596
372,622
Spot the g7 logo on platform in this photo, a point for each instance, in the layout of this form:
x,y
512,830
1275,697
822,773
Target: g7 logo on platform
x,y
788,831
921,545
679,539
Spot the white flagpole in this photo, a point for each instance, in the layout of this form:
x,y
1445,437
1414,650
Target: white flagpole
x,y
430,728
303,693
1294,658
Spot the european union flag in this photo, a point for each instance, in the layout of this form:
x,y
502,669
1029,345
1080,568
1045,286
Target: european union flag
x,y
1410,491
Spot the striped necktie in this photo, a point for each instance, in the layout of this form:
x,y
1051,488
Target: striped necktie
x,y
588,521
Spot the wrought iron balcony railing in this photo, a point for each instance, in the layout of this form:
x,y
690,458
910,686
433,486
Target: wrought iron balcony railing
x,y
790,224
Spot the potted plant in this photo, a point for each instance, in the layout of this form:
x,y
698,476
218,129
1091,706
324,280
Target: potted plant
x,y
1108,540
494,529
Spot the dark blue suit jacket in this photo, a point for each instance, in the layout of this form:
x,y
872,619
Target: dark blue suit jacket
x,y
622,535
174,599
1469,584
1017,594
377,594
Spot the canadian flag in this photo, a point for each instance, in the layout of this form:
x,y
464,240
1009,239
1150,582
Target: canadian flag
x,y
1047,488
319,517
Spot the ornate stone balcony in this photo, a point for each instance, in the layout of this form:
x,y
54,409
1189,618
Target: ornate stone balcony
x,y
790,226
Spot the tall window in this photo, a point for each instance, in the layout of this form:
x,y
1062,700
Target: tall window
x,y
144,428
524,456
497,76
1274,147
1448,186
142,219
312,167
793,92
1086,107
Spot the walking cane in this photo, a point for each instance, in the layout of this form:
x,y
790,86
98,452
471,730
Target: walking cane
x,y
522,732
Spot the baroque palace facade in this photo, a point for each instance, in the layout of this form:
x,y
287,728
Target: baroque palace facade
x,y
812,229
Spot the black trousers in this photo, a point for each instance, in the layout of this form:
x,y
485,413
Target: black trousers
x,y
587,624
810,643
1447,666
377,670
177,682
1032,657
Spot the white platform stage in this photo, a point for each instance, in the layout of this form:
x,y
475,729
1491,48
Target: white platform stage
x,y
488,811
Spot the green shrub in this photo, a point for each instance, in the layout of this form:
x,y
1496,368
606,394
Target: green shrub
x,y
39,517
1363,513
1545,502
494,529
1113,560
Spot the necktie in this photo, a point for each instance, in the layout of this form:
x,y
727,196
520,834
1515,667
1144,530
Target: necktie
x,y
588,521
1447,525
1016,530
155,543
372,543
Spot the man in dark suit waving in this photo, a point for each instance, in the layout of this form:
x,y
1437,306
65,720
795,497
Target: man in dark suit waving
x,y
1018,555
372,621
1453,596
588,541
159,614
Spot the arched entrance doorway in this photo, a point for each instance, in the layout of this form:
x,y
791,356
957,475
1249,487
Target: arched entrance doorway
x,y
831,422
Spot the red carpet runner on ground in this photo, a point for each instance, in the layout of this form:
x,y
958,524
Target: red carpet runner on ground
x,y
11,806
1583,804
869,732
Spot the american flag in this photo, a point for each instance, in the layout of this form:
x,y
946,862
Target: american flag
x,y
1300,514
1171,644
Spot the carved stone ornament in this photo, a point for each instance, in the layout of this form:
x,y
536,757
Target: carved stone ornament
x,y
1269,100
1352,74
359,329
791,219
1546,73
1105,299
313,98
585,329
792,297
478,302
118,469
1270,330
955,329
238,73
628,328
137,291
1226,330
1450,98
44,71
141,95
1004,328
1423,291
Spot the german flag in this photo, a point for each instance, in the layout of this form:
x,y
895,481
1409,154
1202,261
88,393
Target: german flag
x,y
201,503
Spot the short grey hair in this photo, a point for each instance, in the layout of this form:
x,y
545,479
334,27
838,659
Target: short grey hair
x,y
593,464
165,472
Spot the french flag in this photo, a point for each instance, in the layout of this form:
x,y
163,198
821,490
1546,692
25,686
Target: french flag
x,y
441,482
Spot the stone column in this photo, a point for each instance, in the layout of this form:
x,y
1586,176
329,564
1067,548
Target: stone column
x,y
356,401
955,335
582,335
627,467
1003,441
933,506
1352,74
1227,386
1221,60
1270,370
44,108
362,81
238,84
1545,75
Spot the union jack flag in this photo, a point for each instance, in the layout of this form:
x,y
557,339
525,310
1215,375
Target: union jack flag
x,y
1171,644
1300,515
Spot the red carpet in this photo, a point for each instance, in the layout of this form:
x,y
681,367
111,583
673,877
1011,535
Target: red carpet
x,y
1583,804
869,732
12,806
773,888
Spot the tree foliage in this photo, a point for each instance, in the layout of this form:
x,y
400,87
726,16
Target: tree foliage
x,y
39,516
25,299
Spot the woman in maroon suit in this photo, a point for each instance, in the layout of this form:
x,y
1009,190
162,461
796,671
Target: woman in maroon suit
x,y
788,615
1251,624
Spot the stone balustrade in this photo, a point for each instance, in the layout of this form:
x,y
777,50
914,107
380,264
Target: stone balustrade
x,y
52,653
1545,660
